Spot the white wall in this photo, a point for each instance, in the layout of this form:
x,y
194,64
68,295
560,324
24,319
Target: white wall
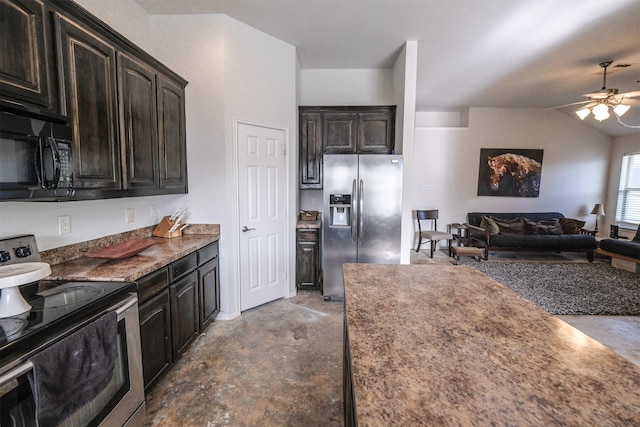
x,y
574,170
349,87
260,87
235,73
126,17
621,146
404,89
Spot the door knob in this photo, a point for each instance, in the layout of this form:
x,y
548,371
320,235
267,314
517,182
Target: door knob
x,y
245,229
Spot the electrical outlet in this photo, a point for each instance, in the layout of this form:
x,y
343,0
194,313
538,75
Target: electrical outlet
x,y
130,215
64,224
313,202
153,212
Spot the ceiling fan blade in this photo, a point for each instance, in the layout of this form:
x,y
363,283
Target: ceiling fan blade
x,y
630,94
568,105
597,95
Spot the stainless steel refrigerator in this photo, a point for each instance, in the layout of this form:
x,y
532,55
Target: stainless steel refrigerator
x,y
362,214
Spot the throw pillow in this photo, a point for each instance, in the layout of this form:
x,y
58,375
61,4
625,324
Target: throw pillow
x,y
551,226
637,236
571,226
488,224
510,226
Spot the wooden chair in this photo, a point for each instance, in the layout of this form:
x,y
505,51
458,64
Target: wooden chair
x,y
431,234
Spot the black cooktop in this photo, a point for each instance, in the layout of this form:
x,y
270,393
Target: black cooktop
x,y
56,313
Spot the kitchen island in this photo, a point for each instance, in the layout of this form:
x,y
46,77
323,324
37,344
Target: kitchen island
x,y
448,345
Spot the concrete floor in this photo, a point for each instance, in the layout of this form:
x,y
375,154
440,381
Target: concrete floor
x,y
280,364
620,333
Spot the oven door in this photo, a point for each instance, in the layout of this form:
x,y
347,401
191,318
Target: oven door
x,y
120,403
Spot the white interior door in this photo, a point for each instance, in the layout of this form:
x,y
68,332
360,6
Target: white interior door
x,y
262,207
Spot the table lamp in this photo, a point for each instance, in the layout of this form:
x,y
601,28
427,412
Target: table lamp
x,y
597,210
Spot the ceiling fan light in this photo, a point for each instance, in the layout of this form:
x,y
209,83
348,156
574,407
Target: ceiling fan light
x,y
620,109
600,110
583,113
601,115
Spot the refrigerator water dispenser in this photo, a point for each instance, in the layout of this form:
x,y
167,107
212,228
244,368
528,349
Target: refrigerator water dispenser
x,y
339,210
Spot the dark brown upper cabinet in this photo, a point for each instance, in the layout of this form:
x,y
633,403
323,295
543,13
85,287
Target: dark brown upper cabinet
x,y
138,123
341,130
310,150
88,77
127,109
25,63
172,135
376,131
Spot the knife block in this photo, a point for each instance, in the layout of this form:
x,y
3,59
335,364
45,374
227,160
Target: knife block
x,y
162,229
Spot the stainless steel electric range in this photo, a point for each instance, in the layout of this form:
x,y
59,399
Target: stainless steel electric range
x,y
33,324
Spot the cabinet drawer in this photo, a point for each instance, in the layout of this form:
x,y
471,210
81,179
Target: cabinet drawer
x,y
182,266
152,284
207,253
307,235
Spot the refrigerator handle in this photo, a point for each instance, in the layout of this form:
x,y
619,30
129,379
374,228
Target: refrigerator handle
x,y
361,212
354,214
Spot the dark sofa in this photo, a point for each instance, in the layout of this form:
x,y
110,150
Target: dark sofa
x,y
540,231
628,248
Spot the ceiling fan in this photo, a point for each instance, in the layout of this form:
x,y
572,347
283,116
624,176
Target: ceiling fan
x,y
600,101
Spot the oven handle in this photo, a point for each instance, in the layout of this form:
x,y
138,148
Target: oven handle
x,y
132,300
27,366
15,373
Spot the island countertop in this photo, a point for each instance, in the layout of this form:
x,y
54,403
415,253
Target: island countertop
x,y
448,345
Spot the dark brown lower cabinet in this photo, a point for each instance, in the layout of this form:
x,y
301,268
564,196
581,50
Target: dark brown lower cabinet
x,y
155,337
176,303
209,292
184,312
307,258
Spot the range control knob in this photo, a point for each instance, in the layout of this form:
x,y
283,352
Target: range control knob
x,y
23,251
4,256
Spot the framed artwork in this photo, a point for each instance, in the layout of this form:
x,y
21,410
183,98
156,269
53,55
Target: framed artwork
x,y
509,172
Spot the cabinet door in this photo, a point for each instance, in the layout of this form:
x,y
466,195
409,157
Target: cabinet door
x,y
172,136
155,338
339,132
307,259
376,132
209,283
138,123
24,64
310,150
184,312
89,81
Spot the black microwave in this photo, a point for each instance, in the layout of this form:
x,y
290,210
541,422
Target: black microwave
x,y
36,154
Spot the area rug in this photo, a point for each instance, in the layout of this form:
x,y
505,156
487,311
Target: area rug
x,y
569,288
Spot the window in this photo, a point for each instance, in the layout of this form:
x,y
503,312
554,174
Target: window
x,y
628,209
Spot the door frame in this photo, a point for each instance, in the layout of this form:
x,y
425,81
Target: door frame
x,y
288,292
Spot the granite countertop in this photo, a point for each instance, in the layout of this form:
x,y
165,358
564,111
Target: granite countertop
x,y
157,256
448,345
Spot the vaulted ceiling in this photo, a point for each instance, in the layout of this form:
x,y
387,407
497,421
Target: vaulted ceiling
x,y
471,53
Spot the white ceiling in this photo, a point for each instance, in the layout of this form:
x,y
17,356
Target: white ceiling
x,y
471,53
